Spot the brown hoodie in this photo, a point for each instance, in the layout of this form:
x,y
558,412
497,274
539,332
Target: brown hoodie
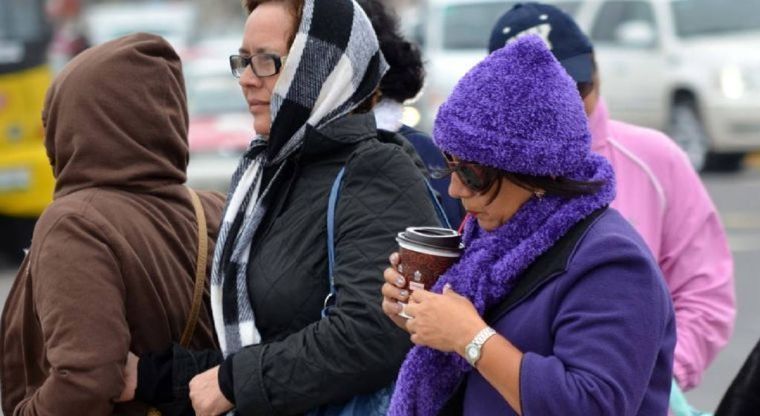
x,y
112,262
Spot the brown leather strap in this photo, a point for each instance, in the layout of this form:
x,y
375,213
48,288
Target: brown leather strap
x,y
200,279
200,270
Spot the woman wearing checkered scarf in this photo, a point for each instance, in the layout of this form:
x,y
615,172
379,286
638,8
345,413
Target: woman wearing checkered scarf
x,y
309,71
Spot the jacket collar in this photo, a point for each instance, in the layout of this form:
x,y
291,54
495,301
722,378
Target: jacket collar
x,y
336,135
552,263
598,124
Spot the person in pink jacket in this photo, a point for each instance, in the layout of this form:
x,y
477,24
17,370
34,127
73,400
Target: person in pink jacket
x,y
658,192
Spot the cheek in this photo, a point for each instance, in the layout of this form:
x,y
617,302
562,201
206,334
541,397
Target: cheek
x,y
270,83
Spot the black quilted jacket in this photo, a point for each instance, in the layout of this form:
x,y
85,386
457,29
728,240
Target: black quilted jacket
x,y
304,361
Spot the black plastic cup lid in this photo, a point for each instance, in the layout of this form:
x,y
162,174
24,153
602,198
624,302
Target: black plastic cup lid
x,y
432,237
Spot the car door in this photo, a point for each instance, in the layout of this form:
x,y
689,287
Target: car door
x,y
627,41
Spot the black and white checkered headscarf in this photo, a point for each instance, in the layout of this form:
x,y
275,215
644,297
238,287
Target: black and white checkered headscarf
x,y
333,66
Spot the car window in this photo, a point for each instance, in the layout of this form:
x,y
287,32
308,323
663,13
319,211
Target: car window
x,y
468,25
615,17
699,17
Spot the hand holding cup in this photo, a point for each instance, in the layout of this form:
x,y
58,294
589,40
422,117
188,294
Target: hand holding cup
x,y
424,254
394,292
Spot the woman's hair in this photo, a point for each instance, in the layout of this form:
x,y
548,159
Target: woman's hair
x,y
406,75
294,6
560,186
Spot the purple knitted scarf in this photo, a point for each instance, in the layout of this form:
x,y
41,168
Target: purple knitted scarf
x,y
486,273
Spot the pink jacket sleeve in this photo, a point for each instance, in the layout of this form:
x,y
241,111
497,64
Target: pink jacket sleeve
x,y
699,269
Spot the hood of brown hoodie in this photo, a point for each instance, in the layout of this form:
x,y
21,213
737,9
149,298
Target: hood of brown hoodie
x,y
116,116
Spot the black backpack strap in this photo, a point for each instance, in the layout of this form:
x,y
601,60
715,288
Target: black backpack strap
x,y
547,266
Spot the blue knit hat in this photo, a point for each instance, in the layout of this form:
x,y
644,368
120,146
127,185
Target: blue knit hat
x,y
518,110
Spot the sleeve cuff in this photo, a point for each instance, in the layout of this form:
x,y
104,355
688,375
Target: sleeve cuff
x,y
248,382
154,377
226,382
686,379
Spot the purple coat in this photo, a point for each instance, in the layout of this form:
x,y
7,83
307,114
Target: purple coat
x,y
596,325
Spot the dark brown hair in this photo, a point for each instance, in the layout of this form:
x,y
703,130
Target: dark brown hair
x,y
560,186
294,6
406,74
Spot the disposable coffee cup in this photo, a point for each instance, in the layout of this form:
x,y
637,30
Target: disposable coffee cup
x,y
425,253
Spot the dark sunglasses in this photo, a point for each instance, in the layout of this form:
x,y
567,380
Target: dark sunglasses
x,y
472,175
262,64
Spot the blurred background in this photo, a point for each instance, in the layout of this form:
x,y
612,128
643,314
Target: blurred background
x,y
690,68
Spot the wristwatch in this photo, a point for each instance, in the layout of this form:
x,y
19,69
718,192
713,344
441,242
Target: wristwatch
x,y
472,350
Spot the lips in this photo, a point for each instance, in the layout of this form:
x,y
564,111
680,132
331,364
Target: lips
x,y
256,104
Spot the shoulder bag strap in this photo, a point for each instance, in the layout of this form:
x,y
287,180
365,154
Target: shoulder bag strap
x,y
200,270
331,203
437,205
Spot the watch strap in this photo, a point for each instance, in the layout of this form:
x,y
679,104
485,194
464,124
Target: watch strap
x,y
482,336
476,344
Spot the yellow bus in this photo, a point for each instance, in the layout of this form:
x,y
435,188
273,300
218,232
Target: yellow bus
x,y
26,179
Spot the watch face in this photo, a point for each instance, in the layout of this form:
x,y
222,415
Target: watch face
x,y
472,352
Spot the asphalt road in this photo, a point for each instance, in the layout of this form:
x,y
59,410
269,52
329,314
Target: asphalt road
x,y
738,199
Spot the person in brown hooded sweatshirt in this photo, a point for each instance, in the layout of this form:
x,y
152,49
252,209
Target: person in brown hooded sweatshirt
x,y
111,267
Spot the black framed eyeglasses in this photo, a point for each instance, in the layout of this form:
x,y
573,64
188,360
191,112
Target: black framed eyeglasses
x,y
262,64
476,177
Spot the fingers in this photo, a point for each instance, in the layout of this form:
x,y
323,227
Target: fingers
x,y
130,379
394,260
448,291
394,293
411,325
193,394
419,296
392,310
393,287
391,307
411,309
393,277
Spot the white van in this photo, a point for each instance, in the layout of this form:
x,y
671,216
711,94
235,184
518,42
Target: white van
x,y
690,68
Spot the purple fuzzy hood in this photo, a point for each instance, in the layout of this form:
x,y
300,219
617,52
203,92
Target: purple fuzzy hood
x,y
517,110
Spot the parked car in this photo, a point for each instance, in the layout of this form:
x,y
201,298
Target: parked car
x,y
690,68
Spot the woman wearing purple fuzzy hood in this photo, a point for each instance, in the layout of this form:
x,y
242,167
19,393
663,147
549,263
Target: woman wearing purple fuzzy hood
x,y
556,306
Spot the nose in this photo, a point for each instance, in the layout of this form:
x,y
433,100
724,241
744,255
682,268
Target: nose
x,y
457,189
249,79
